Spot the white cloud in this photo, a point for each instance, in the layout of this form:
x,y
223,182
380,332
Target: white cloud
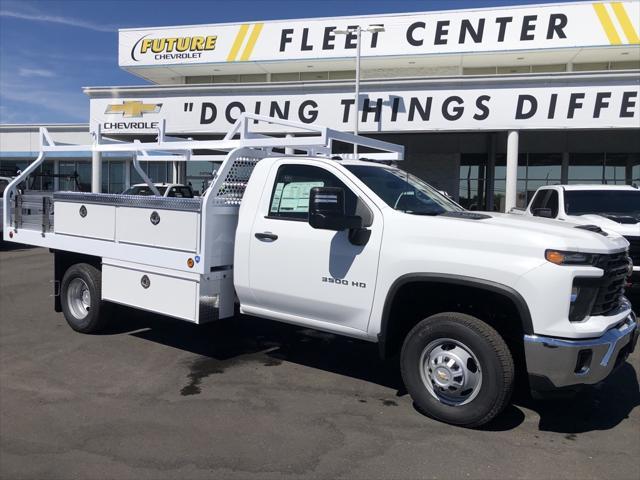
x,y
47,104
36,72
72,22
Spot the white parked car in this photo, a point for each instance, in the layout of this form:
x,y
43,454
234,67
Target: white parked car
x,y
613,208
166,190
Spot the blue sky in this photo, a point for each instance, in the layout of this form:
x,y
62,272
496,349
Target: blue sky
x,y
50,49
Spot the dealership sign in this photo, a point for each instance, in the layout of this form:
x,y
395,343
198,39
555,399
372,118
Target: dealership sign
x,y
480,30
437,109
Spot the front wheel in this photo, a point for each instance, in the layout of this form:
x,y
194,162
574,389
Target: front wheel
x,y
457,369
81,298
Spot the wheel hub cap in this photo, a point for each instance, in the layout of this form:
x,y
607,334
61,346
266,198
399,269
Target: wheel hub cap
x,y
79,298
450,371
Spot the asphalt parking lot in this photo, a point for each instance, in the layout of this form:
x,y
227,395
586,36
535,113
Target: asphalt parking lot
x,y
157,398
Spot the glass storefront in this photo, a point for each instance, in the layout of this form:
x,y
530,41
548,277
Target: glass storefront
x,y
612,168
538,169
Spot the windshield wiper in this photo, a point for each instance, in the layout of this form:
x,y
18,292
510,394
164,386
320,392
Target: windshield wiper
x,y
429,214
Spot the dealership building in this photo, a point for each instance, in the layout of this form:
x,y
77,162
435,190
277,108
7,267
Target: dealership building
x,y
490,103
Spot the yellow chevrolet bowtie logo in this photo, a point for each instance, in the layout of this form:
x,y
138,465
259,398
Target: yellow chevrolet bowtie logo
x,y
134,108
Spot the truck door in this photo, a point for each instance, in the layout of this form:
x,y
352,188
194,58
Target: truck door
x,y
309,276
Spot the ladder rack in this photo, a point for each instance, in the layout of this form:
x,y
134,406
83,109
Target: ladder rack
x,y
242,137
314,140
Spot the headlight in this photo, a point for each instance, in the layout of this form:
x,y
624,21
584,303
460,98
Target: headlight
x,y
569,258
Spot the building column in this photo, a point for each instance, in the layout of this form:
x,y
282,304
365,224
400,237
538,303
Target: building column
x,y
96,172
512,170
56,172
564,171
127,173
491,169
175,172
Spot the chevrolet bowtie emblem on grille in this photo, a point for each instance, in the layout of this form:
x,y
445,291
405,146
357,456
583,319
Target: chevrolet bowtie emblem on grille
x,y
134,108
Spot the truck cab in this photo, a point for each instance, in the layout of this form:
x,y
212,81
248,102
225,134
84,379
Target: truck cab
x,y
613,208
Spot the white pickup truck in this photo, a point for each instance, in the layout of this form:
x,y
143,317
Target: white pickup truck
x,y
613,208
467,300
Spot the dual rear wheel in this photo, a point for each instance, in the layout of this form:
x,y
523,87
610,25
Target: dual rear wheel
x,y
81,298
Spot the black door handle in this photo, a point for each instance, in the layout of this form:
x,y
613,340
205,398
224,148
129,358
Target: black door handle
x,y
266,237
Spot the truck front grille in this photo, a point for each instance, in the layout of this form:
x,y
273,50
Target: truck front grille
x,y
634,249
611,285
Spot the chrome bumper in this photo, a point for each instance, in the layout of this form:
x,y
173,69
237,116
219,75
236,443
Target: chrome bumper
x,y
556,363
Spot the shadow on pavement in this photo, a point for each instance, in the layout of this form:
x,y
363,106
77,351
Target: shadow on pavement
x,y
13,246
599,407
221,345
247,339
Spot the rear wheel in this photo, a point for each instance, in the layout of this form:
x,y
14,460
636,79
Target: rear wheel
x,y
81,298
457,369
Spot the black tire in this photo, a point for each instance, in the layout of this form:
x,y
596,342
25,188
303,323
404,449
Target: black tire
x,y
496,368
95,318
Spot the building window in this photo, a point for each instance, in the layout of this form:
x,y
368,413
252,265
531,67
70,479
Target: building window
x,y
534,171
199,79
226,79
632,65
310,76
342,75
591,66
479,71
285,77
607,168
158,172
471,193
514,69
560,67
253,78
511,69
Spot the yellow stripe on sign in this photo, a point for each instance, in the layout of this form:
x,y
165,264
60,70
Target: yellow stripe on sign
x,y
252,41
607,24
625,22
238,42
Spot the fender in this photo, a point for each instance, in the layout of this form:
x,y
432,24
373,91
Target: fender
x,y
488,285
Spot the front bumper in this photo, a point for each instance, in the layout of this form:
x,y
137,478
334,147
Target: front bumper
x,y
554,363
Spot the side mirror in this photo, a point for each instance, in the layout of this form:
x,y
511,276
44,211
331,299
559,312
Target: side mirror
x,y
327,212
542,212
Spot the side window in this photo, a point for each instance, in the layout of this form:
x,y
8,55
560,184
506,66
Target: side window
x,y
290,195
552,203
538,201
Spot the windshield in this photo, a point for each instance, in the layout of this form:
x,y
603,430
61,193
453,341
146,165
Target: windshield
x,y
402,191
143,190
599,202
3,186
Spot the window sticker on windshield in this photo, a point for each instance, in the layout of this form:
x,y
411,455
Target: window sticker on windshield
x,y
292,197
